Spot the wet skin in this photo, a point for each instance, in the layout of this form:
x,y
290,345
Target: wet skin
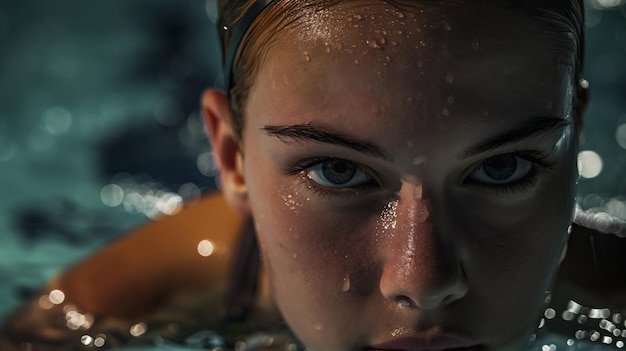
x,y
376,178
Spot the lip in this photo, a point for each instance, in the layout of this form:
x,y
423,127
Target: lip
x,y
439,343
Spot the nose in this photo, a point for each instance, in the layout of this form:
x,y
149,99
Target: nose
x,y
421,268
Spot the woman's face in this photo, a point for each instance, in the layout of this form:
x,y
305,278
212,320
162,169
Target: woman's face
x,y
411,174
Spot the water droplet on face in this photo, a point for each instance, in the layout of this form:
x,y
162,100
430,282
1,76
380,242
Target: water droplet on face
x,y
445,111
389,215
475,44
450,99
345,287
399,14
317,326
418,192
290,202
373,44
356,62
358,17
419,160
446,26
422,213
307,58
450,78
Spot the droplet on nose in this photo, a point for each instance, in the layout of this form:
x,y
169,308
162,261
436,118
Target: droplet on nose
x,y
418,192
419,160
389,215
346,283
475,44
421,210
422,213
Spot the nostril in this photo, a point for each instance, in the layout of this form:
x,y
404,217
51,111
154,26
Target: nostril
x,y
448,299
404,302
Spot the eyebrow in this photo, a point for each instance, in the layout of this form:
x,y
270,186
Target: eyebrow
x,y
321,134
534,127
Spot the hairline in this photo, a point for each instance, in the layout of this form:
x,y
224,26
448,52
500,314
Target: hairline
x,y
551,18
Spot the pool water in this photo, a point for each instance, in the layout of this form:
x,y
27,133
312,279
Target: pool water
x,y
100,132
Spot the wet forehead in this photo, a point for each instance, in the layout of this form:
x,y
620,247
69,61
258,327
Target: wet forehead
x,y
452,27
422,60
425,43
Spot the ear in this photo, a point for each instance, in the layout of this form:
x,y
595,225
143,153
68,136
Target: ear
x,y
582,97
220,123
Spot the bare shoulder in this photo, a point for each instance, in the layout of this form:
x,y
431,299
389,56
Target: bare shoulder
x,y
184,253
168,269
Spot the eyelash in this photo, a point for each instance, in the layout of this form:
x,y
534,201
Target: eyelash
x,y
540,163
300,167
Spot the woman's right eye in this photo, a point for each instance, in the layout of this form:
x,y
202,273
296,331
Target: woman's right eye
x,y
338,173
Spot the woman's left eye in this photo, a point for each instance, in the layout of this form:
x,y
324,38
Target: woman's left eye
x,y
502,170
338,173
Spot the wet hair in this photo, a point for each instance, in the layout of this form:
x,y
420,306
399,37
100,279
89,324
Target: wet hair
x,y
246,28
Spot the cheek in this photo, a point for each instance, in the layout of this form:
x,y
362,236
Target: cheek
x,y
508,247
311,257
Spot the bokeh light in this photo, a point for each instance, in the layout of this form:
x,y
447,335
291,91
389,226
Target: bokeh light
x,y
8,149
57,120
589,164
620,135
206,248
206,164
138,329
112,195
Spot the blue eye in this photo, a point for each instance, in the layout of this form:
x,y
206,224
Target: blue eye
x,y
502,169
337,173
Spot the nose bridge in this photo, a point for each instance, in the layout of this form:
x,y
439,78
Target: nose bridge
x,y
422,267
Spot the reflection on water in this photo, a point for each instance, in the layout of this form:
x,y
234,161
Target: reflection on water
x,y
71,329
589,327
